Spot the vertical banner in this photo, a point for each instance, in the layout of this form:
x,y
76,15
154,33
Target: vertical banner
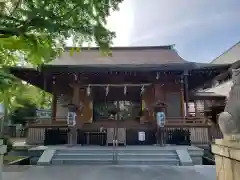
x,y
71,119
161,119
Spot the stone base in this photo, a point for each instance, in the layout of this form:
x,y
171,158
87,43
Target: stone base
x,y
227,158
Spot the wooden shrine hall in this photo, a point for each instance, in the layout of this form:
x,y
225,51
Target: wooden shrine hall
x,y
138,81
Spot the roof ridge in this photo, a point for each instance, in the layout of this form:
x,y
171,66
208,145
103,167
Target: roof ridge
x,y
225,52
169,47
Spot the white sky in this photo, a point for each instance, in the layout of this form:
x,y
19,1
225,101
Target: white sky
x,y
121,22
200,29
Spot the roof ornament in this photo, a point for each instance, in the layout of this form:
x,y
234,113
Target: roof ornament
x,y
107,90
142,89
88,90
157,76
125,90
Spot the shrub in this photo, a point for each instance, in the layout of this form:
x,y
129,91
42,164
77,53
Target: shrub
x,y
8,142
19,115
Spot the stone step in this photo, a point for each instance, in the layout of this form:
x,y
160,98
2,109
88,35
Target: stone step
x,y
67,161
148,162
109,151
120,155
196,152
83,156
85,151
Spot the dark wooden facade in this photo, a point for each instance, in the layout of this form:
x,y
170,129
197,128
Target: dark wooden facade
x,y
168,84
177,83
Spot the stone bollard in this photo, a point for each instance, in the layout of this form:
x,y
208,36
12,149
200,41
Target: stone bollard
x,y
227,158
3,150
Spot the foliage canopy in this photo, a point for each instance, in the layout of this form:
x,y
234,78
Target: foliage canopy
x,y
36,31
38,27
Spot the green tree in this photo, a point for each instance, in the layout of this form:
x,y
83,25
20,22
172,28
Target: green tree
x,y
36,31
20,114
37,28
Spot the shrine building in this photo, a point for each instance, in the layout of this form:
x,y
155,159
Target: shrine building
x,y
136,82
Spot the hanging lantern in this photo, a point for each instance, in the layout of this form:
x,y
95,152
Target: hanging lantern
x,y
125,90
88,90
142,89
53,79
107,90
75,77
157,76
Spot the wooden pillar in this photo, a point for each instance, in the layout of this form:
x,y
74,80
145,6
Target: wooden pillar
x,y
195,108
73,133
76,94
54,108
186,91
3,150
154,99
54,100
76,100
182,96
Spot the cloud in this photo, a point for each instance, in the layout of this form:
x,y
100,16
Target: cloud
x,y
190,24
173,19
201,29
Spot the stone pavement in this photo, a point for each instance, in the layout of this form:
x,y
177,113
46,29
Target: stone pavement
x,y
95,172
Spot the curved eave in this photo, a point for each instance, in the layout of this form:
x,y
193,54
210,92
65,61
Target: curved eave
x,y
189,66
29,75
199,72
206,96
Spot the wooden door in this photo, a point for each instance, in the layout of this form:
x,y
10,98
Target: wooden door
x,y
110,136
121,136
118,134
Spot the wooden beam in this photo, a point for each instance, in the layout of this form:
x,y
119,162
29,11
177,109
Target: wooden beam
x,y
182,97
54,102
54,108
186,90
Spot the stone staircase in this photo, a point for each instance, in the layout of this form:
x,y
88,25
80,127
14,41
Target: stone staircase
x,y
125,156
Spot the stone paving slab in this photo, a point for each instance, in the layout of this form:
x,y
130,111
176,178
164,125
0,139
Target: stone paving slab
x,y
111,173
145,147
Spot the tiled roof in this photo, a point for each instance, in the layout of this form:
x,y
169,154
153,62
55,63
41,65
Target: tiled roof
x,y
222,89
229,56
121,55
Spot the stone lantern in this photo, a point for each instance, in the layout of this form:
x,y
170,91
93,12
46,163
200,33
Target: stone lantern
x,y
159,106
1,117
1,110
73,126
3,148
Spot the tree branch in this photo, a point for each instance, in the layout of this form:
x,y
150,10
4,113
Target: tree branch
x,y
17,5
8,33
69,13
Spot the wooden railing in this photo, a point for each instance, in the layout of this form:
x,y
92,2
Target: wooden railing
x,y
36,134
185,120
199,134
169,120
